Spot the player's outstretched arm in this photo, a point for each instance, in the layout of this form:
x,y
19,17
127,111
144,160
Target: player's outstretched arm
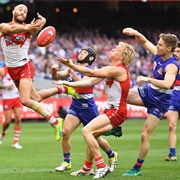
x,y
82,83
141,39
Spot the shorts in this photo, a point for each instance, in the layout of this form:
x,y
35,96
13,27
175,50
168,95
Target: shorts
x,y
25,71
174,107
85,115
9,104
117,117
157,109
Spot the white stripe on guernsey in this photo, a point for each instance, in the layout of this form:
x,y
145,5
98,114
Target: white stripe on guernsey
x,y
86,96
166,91
177,88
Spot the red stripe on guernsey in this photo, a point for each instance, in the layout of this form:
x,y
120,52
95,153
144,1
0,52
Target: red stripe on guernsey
x,y
177,83
84,90
139,164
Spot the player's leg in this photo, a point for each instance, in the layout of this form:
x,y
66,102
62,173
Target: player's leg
x,y
6,124
149,126
70,124
87,168
134,98
90,132
27,96
17,124
172,117
113,156
45,93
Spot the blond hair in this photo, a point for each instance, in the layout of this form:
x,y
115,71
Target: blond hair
x,y
128,53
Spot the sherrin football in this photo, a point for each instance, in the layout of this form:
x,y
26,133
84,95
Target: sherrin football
x,y
46,36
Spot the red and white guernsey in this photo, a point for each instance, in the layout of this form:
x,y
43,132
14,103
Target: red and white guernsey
x,y
117,92
15,48
6,80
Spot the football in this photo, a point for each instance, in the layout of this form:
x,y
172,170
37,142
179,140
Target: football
x,y
46,36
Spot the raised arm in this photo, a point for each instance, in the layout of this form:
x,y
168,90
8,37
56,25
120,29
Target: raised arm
x,y
32,28
141,39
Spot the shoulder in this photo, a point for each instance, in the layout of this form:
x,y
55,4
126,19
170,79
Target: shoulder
x,y
2,26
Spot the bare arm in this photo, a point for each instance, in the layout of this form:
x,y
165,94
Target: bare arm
x,y
171,72
82,83
75,76
141,39
56,74
32,28
107,72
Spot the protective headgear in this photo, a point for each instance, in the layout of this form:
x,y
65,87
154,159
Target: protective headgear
x,y
91,53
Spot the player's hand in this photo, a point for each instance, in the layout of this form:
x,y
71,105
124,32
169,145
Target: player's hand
x,y
60,82
142,79
41,20
55,67
65,61
129,31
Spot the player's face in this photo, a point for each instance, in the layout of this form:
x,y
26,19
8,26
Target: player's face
x,y
82,55
177,53
116,53
162,49
20,13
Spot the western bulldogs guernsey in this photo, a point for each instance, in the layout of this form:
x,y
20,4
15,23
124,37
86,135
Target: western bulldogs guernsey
x,y
6,80
86,94
156,96
84,108
175,96
15,48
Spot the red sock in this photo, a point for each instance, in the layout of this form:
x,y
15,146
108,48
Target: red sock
x,y
52,120
87,166
62,89
17,132
100,162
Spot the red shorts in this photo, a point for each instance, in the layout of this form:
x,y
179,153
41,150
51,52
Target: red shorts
x,y
117,117
11,103
17,73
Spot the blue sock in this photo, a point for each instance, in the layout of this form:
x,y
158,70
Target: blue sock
x,y
110,153
173,151
67,157
138,164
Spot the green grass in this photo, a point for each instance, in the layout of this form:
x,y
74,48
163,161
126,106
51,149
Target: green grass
x,y
41,153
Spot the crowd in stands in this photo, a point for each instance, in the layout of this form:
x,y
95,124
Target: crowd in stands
x,y
68,44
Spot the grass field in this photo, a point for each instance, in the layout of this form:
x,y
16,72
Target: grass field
x,y
41,154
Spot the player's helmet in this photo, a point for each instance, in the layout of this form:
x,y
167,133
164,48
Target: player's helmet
x,y
91,52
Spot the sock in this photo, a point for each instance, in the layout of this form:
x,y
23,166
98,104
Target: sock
x,y
87,166
3,134
138,164
62,89
17,132
100,162
173,151
52,120
45,113
67,157
110,153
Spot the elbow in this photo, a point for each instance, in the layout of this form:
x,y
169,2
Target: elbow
x,y
167,86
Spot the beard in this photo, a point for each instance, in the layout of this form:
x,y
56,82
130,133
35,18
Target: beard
x,y
18,20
